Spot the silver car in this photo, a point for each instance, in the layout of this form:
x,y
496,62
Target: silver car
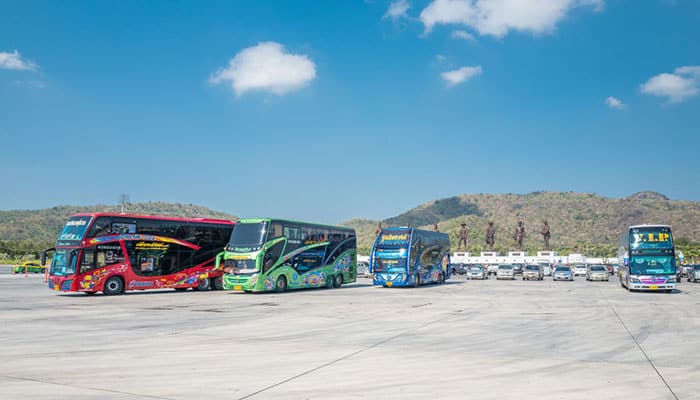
x,y
532,271
477,272
505,271
597,273
694,273
363,269
562,274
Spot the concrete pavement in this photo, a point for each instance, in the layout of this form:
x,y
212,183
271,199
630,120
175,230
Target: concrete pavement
x,y
466,339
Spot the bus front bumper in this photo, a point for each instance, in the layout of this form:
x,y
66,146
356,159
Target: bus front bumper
x,y
242,283
650,287
63,284
389,280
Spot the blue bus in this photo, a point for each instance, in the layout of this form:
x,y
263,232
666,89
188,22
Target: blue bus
x,y
410,257
647,259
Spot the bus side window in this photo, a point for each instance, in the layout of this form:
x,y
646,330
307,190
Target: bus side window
x,y
87,262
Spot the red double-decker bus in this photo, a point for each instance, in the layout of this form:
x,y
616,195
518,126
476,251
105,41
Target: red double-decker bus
x,y
112,253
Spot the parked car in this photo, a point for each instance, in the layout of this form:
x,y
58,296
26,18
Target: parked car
x,y
532,271
694,274
610,268
517,268
505,271
477,272
597,272
546,268
579,269
492,268
458,268
363,269
562,273
29,266
686,269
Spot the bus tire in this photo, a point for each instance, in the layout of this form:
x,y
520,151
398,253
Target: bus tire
x,y
217,283
329,282
203,285
416,282
338,281
281,284
113,286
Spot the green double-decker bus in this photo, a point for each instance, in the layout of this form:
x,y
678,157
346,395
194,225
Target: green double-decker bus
x,y
266,254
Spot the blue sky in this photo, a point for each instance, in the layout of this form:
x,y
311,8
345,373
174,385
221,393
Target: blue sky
x,y
325,110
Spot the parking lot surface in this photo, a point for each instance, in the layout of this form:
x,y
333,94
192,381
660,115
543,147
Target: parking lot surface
x,y
466,339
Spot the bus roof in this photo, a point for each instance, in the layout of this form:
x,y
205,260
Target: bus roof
x,y
159,217
257,220
650,226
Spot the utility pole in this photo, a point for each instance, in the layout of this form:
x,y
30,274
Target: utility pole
x,y
123,199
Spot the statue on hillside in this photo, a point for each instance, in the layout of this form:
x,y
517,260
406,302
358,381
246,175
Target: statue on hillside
x,y
519,235
463,236
546,235
435,228
378,230
490,236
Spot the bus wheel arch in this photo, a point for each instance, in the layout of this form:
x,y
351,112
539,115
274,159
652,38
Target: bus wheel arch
x,y
217,283
338,281
113,285
281,284
203,285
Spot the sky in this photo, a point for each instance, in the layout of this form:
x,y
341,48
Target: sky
x,y
328,110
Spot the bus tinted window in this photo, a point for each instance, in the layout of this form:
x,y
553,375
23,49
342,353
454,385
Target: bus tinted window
x,y
650,238
75,228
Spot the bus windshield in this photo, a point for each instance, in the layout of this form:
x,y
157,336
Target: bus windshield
x,y
63,264
389,264
394,238
248,236
75,228
651,238
653,265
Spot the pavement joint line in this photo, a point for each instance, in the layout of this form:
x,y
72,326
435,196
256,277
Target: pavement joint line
x,y
85,387
347,356
641,349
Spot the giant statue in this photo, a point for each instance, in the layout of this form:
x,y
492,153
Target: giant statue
x,y
463,236
546,235
519,235
490,236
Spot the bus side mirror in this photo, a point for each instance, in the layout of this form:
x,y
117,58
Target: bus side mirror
x,y
43,258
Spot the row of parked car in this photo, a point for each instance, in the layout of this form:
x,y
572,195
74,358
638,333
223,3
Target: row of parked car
x,y
594,272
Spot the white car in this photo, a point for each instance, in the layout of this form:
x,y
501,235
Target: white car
x,y
505,271
546,268
492,268
579,269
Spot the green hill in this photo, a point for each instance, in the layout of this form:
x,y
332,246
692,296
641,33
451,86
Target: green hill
x,y
30,231
590,222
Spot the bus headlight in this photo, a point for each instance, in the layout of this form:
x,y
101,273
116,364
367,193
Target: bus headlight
x,y
671,280
635,280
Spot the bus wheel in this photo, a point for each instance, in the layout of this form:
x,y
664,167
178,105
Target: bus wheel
x,y
114,285
416,282
203,285
217,283
329,282
281,285
338,280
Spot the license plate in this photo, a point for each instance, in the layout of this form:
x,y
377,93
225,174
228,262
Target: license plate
x,y
389,283
653,287
238,287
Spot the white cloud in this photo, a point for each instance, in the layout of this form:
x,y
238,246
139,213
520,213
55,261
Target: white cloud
x,y
457,76
266,67
464,35
398,9
678,86
498,17
614,102
14,61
